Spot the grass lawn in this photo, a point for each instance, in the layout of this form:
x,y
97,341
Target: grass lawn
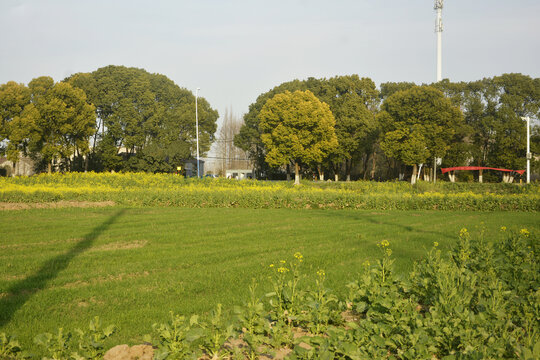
x,y
131,266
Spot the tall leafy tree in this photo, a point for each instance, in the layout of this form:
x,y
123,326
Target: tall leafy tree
x,y
62,120
14,131
418,124
297,127
353,102
249,136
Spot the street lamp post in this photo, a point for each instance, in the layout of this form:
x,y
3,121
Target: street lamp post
x,y
528,148
197,129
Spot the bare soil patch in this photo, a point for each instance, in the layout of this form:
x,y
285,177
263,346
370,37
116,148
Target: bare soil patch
x,y
120,246
54,205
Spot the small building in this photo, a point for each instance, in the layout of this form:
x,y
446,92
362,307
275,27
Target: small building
x,y
239,174
23,167
190,167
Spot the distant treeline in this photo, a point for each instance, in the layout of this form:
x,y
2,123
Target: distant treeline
x,y
387,131
126,119
115,118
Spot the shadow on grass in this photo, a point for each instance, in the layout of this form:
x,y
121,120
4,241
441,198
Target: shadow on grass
x,y
376,218
19,293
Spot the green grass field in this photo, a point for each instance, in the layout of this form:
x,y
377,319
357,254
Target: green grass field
x,y
131,266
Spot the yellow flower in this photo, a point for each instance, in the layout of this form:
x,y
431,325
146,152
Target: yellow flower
x,y
282,261
503,228
321,272
366,263
271,265
463,232
282,270
524,232
298,256
435,244
383,244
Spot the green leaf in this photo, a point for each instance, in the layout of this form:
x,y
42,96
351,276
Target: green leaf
x,y
194,334
194,319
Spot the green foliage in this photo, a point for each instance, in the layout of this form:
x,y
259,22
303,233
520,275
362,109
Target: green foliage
x,y
297,127
13,100
418,124
176,337
48,120
352,100
61,345
57,345
479,300
145,116
494,134
10,349
126,112
91,342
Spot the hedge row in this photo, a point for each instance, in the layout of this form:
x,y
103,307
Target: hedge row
x,y
168,190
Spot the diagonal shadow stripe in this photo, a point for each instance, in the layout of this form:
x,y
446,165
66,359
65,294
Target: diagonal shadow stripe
x,y
20,292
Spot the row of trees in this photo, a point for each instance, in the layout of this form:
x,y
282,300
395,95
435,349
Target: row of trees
x,y
115,118
119,118
399,126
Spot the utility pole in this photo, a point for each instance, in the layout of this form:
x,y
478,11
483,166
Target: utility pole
x,y
197,129
529,155
438,29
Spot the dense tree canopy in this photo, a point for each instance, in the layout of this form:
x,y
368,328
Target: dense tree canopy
x,y
53,121
120,118
353,102
297,127
493,107
144,117
418,124
13,99
115,118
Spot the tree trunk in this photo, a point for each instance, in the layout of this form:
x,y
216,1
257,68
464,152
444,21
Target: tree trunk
x,y
49,167
288,169
414,172
434,170
321,172
480,176
296,174
374,166
348,166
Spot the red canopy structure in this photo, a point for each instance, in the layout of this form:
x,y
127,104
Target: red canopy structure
x,y
445,170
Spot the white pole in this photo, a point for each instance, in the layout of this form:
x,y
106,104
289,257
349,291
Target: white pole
x,y
197,128
438,30
529,155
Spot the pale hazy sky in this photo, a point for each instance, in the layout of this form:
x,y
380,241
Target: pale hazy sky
x,y
235,50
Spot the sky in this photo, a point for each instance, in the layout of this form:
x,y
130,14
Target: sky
x,y
235,50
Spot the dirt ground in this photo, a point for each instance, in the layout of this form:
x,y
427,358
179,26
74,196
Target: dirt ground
x,y
54,205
